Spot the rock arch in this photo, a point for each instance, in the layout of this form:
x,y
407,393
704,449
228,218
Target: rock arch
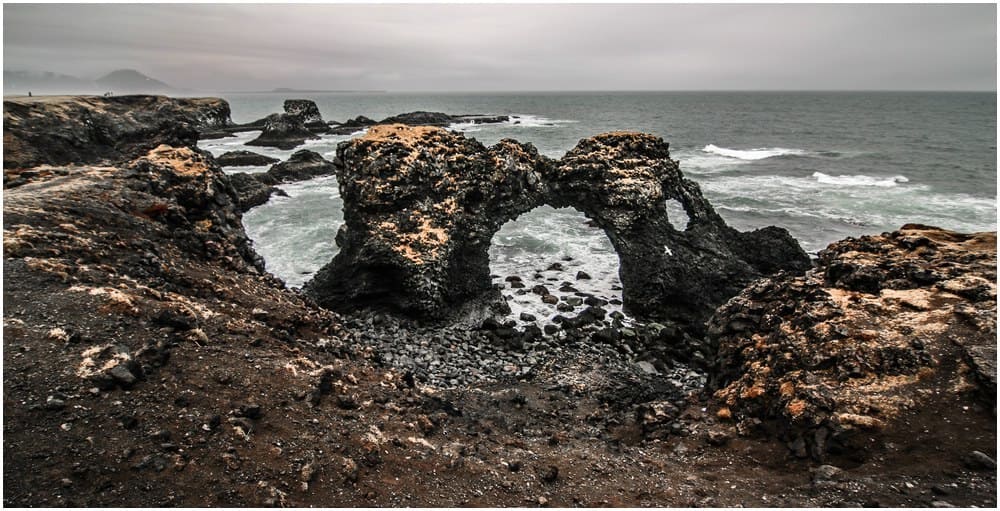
x,y
422,204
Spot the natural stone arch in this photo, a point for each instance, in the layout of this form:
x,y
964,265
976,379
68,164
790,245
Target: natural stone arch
x,y
422,204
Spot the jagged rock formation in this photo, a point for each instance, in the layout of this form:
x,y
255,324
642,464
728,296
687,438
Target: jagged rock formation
x,y
884,328
422,204
92,129
244,158
283,131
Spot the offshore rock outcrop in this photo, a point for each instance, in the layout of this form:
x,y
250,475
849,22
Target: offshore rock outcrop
x,y
305,109
242,158
418,118
300,166
283,131
422,204
59,130
255,189
885,328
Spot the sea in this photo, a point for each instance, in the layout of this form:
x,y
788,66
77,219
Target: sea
x,y
824,165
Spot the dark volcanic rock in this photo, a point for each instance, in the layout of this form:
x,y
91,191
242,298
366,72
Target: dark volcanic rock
x,y
282,131
251,191
864,340
301,165
307,111
92,129
422,205
243,158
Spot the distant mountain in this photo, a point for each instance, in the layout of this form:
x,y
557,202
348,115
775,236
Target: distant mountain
x,y
122,81
44,82
130,81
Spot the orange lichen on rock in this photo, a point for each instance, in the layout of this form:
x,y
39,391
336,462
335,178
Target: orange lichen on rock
x,y
796,407
183,161
409,135
419,246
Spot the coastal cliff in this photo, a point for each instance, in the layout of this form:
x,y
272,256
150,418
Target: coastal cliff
x,y
150,361
60,130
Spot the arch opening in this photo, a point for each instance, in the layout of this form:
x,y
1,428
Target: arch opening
x,y
555,261
676,215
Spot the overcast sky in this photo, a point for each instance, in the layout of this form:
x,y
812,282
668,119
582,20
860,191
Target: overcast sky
x,y
514,47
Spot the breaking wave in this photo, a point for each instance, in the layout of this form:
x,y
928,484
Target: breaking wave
x,y
752,154
861,180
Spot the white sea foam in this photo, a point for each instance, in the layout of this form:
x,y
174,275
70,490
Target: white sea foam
x,y
295,234
861,180
514,121
752,154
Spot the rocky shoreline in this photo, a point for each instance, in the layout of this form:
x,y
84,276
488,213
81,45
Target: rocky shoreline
x,y
150,361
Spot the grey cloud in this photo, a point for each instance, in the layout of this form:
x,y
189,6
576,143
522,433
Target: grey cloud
x,y
522,47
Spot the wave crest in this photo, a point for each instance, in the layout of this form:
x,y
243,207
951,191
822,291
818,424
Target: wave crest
x,y
860,180
752,154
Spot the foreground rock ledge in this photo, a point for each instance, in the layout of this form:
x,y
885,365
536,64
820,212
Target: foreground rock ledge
x,y
421,206
887,331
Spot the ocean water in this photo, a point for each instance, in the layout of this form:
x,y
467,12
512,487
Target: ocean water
x,y
823,165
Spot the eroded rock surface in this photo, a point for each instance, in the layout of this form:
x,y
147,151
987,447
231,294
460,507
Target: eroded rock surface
x,y
422,205
884,328
622,181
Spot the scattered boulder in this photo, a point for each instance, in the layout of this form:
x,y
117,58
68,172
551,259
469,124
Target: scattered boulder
x,y
977,460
